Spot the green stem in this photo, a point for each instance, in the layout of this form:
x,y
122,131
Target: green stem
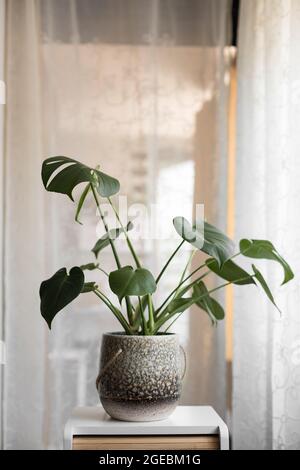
x,y
185,289
181,292
129,244
129,310
165,318
144,324
127,299
177,287
169,261
182,281
181,277
102,270
107,300
137,313
114,310
106,228
172,323
185,269
151,315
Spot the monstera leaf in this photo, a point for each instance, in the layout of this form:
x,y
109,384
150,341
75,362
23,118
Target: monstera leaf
x,y
59,291
111,235
207,303
81,202
192,235
71,173
127,281
201,298
230,271
206,238
263,249
264,285
180,305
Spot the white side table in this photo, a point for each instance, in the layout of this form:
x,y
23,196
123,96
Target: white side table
x,y
189,427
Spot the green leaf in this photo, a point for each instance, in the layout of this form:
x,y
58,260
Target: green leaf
x,y
111,235
59,291
189,233
230,271
207,303
263,249
264,285
182,290
201,298
73,173
81,202
180,305
89,266
127,281
206,238
88,287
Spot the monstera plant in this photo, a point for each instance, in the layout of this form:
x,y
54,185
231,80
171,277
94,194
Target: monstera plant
x,y
140,373
134,285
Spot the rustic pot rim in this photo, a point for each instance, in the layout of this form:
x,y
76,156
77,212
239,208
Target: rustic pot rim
x,y
121,334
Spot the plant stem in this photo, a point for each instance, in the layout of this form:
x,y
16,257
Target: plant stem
x,y
182,292
175,319
135,257
127,299
181,277
163,319
102,270
144,324
114,310
185,269
106,228
151,316
182,281
185,289
107,300
137,314
169,261
191,274
177,287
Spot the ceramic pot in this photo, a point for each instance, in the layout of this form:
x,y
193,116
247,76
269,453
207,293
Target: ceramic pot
x,y
140,376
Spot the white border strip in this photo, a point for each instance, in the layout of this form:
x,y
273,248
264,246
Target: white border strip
x,y
2,101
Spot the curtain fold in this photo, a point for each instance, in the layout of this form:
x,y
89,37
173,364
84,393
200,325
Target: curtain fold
x,y
125,84
266,387
24,398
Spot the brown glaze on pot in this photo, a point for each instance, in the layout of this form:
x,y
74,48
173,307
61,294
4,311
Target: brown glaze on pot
x,y
140,376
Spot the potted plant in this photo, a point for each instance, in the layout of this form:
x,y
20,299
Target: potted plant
x,y
140,367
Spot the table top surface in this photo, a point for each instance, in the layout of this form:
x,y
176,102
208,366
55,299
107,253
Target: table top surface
x,y
184,420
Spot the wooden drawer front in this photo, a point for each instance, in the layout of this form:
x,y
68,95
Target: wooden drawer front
x,y
178,442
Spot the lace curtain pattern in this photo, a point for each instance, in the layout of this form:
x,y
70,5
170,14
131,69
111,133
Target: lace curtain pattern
x,y
138,87
266,375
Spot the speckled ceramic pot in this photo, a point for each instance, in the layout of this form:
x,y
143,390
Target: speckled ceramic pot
x,y
140,376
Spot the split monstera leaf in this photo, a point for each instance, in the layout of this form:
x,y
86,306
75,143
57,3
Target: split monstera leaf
x,y
134,286
71,173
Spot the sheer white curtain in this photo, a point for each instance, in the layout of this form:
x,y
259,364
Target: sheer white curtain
x,y
266,401
127,84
